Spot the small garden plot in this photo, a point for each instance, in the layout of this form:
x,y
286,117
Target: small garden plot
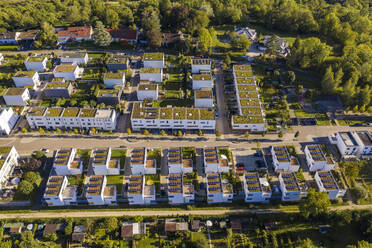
x,y
155,154
116,180
119,154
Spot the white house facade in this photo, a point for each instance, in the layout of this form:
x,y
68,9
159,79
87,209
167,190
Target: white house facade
x,y
139,193
201,65
283,161
68,71
176,163
97,192
317,160
8,119
22,79
327,183
256,189
58,193
9,158
147,91
213,163
36,63
16,97
151,74
67,162
179,192
77,58
218,191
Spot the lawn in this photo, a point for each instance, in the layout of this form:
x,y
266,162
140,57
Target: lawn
x,y
116,180
147,242
172,94
322,119
121,154
155,154
350,122
9,48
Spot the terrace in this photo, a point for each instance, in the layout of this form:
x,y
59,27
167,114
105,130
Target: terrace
x,y
117,60
87,113
248,95
243,74
35,59
227,188
206,114
70,112
73,55
166,113
109,191
193,114
247,87
153,56
179,113
53,112
245,81
203,94
250,103
365,137
65,68
202,77
251,111
247,119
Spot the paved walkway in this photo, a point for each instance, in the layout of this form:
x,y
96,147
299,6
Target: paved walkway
x,y
105,213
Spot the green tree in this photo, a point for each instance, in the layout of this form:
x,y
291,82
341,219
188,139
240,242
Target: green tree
x,y
41,131
100,36
24,130
129,131
110,224
162,133
199,241
205,40
362,109
33,177
112,18
218,133
28,241
291,77
306,243
297,134
227,60
179,134
200,133
146,132
25,187
316,204
246,134
359,192
280,134
355,108
328,83
68,228
47,37
154,38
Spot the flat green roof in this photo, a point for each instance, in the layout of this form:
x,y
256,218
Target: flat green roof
x,y
108,93
112,75
245,81
248,95
87,112
247,119
244,74
201,77
58,80
70,112
117,60
65,68
242,68
27,74
166,113
153,56
249,103
192,114
53,112
35,59
56,85
206,114
251,111
207,94
247,87
147,86
201,61
14,91
5,149
150,70
179,113
36,111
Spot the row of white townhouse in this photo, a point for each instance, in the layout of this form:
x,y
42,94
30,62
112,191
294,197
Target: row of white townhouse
x,y
356,144
144,117
9,158
8,119
53,118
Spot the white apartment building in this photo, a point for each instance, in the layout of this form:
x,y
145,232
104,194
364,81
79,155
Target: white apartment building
x,y
153,60
16,96
36,63
77,58
1,58
346,144
151,74
68,71
70,118
103,164
140,164
176,163
24,78
202,81
364,140
171,118
8,159
218,191
203,98
97,192
7,120
58,193
139,192
256,189
213,162
112,79
67,162
147,91
290,187
327,183
317,160
179,192
200,65
283,161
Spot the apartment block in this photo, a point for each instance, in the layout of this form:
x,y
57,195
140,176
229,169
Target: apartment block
x,y
291,189
200,65
36,63
109,96
317,160
147,91
112,79
202,81
171,118
9,158
151,74
140,164
25,78
139,192
117,63
203,98
283,161
256,189
217,190
176,162
68,71
179,192
153,60
58,88
327,183
97,192
58,193
213,162
76,58
70,118
346,144
67,162
364,140
8,120
103,164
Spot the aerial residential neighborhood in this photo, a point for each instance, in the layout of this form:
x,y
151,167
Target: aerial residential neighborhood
x,y
201,124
